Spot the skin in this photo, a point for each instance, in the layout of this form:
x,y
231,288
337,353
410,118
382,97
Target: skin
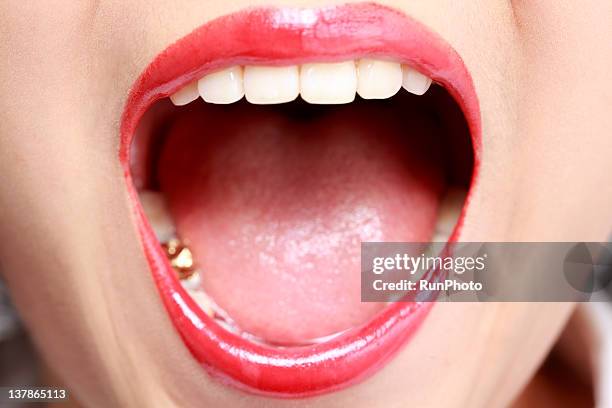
x,y
71,256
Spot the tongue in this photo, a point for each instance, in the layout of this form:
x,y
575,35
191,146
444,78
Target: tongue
x,y
275,205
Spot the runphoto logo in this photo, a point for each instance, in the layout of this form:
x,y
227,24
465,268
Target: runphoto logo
x,y
413,264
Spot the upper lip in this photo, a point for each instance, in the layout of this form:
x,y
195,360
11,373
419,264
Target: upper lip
x,y
279,36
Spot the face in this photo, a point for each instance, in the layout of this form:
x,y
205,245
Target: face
x,y
75,255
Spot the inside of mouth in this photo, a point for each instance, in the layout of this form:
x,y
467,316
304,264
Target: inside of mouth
x,y
262,209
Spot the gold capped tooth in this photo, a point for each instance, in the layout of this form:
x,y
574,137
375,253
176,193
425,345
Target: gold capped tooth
x,y
180,257
183,259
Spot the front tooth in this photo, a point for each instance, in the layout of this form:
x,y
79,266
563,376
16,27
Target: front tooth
x,y
223,86
329,83
449,212
186,94
415,82
154,207
378,79
269,85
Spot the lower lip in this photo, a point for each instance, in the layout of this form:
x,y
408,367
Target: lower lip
x,y
290,36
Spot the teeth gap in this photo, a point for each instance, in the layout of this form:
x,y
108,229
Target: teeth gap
x,y
316,83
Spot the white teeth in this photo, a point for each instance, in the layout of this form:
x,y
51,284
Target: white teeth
x,y
318,83
415,82
154,207
183,96
269,85
192,283
449,212
330,83
203,301
222,87
378,79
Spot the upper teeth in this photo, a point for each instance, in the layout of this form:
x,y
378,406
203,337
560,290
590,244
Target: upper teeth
x,y
317,83
378,79
222,86
265,85
328,83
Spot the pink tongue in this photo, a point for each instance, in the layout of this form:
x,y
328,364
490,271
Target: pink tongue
x,y
275,208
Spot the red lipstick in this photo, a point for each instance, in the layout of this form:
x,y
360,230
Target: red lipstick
x,y
285,36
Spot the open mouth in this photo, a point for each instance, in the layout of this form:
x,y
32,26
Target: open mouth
x,y
261,150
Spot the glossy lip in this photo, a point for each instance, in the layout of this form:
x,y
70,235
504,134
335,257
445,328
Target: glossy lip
x,y
281,36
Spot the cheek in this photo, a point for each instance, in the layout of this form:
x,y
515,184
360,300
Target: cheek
x,y
564,116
